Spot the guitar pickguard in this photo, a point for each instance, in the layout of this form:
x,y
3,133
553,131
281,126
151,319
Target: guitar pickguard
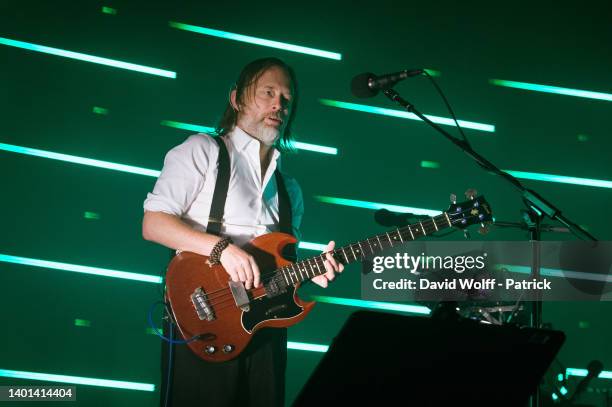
x,y
266,308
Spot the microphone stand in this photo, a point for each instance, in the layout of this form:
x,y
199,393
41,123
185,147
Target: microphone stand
x,y
537,208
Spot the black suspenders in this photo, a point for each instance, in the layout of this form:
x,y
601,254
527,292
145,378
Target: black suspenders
x,y
217,207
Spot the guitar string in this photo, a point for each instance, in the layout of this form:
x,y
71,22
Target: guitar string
x,y
226,292
273,273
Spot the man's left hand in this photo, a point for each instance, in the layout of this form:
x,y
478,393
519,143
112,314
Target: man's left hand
x,y
331,265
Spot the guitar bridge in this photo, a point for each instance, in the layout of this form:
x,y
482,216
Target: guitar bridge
x,y
200,301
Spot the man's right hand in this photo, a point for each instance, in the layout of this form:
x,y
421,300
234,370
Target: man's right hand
x,y
240,266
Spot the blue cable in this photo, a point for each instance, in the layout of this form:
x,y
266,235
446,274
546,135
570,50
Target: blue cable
x,y
156,329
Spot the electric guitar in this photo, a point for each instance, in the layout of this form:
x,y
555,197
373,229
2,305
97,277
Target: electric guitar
x,y
219,317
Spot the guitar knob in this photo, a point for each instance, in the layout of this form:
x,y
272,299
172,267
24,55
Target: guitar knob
x,y
210,349
228,348
453,198
471,193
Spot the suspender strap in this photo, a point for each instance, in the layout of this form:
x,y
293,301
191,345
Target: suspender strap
x,y
217,207
284,205
284,215
222,186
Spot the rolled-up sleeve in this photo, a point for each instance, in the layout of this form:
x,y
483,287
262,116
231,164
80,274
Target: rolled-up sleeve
x,y
182,176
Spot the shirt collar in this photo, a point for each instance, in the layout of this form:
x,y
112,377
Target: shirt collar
x,y
241,140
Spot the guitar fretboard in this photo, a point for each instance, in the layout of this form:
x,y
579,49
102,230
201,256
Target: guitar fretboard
x,y
295,273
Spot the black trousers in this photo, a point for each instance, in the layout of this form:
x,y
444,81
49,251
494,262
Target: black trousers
x,y
255,378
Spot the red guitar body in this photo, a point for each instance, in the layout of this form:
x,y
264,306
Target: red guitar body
x,y
203,304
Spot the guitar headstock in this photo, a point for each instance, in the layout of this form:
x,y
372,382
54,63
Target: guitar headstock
x,y
470,212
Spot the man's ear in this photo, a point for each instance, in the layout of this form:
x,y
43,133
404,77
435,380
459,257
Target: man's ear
x,y
233,100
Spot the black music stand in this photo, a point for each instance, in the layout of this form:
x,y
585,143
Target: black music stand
x,y
389,359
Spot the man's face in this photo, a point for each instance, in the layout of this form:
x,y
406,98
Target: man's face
x,y
266,106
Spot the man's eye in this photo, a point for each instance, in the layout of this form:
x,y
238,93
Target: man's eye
x,y
269,93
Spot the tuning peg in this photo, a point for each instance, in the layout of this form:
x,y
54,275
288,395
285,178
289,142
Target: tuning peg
x,y
453,198
484,229
471,193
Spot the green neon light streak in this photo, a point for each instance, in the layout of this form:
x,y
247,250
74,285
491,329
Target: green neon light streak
x,y
430,164
204,129
587,182
16,374
312,246
315,148
78,160
82,322
376,205
256,41
307,346
87,58
100,110
433,72
109,10
80,269
550,272
555,397
91,215
187,126
605,374
406,115
552,89
379,305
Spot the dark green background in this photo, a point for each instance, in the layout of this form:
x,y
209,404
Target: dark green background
x,y
46,102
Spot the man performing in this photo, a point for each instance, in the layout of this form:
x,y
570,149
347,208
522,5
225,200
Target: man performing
x,y
254,127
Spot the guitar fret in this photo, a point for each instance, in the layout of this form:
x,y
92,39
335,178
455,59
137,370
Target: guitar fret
x,y
285,275
400,235
448,220
300,271
318,268
379,242
410,230
421,223
290,277
389,237
434,223
303,268
370,244
345,256
314,273
361,248
351,246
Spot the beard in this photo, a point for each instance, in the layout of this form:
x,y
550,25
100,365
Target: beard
x,y
266,134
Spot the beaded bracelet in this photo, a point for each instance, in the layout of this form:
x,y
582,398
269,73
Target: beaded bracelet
x,y
215,253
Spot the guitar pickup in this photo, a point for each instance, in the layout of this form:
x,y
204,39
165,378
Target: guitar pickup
x,y
241,297
199,298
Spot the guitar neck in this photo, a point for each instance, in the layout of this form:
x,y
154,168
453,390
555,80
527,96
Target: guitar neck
x,y
306,269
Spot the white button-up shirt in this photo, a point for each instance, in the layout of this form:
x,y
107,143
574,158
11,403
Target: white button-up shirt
x,y
186,184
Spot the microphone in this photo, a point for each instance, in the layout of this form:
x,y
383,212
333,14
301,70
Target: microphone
x,y
367,85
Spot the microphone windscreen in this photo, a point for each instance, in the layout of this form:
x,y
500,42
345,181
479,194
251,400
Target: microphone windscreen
x,y
360,88
385,217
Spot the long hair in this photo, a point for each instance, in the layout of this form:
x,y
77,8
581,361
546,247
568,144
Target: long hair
x,y
248,77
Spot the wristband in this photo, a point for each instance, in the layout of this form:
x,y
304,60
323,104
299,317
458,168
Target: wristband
x,y
215,254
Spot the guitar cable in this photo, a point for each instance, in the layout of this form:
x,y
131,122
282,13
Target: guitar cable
x,y
171,341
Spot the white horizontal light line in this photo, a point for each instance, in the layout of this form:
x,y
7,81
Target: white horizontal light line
x,y
256,41
87,58
26,261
